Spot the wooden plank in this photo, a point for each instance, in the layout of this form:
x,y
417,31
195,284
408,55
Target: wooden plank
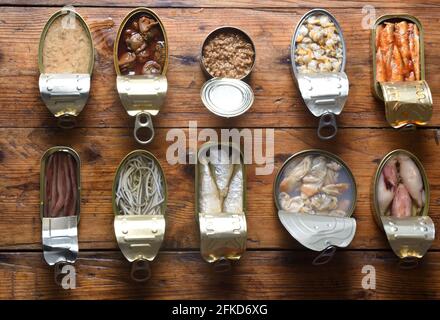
x,y
277,101
228,3
258,275
101,150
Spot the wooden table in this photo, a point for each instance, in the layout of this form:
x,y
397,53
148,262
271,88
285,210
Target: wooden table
x,y
275,266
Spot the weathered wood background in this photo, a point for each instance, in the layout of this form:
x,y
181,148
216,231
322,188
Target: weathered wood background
x,y
275,265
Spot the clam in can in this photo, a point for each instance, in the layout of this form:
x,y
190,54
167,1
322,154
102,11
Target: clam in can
x,y
397,43
226,94
315,195
220,203
318,57
141,62
139,203
401,204
65,61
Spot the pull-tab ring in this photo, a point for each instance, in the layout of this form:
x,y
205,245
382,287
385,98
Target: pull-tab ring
x,y
66,121
327,128
57,272
140,270
143,120
222,265
408,263
325,256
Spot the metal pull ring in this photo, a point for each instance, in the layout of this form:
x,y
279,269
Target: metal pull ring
x,y
140,270
57,272
222,265
327,128
66,122
325,256
408,263
143,120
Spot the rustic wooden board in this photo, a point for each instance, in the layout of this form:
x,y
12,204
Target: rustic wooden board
x,y
277,101
259,275
101,150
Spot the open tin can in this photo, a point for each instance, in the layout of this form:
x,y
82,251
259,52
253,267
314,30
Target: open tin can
x,y
220,203
65,61
141,62
139,203
318,57
401,205
315,194
399,70
60,201
227,58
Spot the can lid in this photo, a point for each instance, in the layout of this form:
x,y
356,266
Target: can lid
x,y
227,97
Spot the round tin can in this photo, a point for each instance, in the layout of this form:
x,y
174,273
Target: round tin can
x,y
140,234
223,96
409,230
65,75
315,194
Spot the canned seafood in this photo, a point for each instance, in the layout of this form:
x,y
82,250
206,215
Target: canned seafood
x,y
401,204
220,203
139,204
60,200
65,60
315,194
399,70
225,94
141,61
318,57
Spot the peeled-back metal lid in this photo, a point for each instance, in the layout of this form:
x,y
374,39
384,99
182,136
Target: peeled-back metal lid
x,y
315,194
227,97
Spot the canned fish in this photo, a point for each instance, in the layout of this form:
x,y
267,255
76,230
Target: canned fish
x,y
141,61
220,190
315,194
139,204
399,70
318,57
228,57
65,60
60,200
401,204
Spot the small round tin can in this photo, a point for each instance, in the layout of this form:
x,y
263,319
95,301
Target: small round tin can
x,y
401,205
315,194
227,95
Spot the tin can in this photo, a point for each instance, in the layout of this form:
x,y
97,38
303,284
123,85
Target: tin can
x,y
223,95
409,235
140,230
60,217
407,103
220,203
143,90
315,195
65,61
324,90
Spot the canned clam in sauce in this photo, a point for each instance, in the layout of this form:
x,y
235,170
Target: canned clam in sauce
x,y
65,60
227,57
141,62
399,70
401,204
315,194
139,204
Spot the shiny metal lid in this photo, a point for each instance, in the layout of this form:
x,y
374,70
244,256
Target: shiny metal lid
x,y
227,97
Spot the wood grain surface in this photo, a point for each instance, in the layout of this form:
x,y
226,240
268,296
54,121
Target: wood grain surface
x,y
275,266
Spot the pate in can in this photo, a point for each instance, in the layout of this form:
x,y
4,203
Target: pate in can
x,y
220,195
141,62
139,203
227,58
315,195
65,61
399,70
401,204
318,57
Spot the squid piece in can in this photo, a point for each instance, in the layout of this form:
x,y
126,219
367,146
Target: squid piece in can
x,y
139,204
